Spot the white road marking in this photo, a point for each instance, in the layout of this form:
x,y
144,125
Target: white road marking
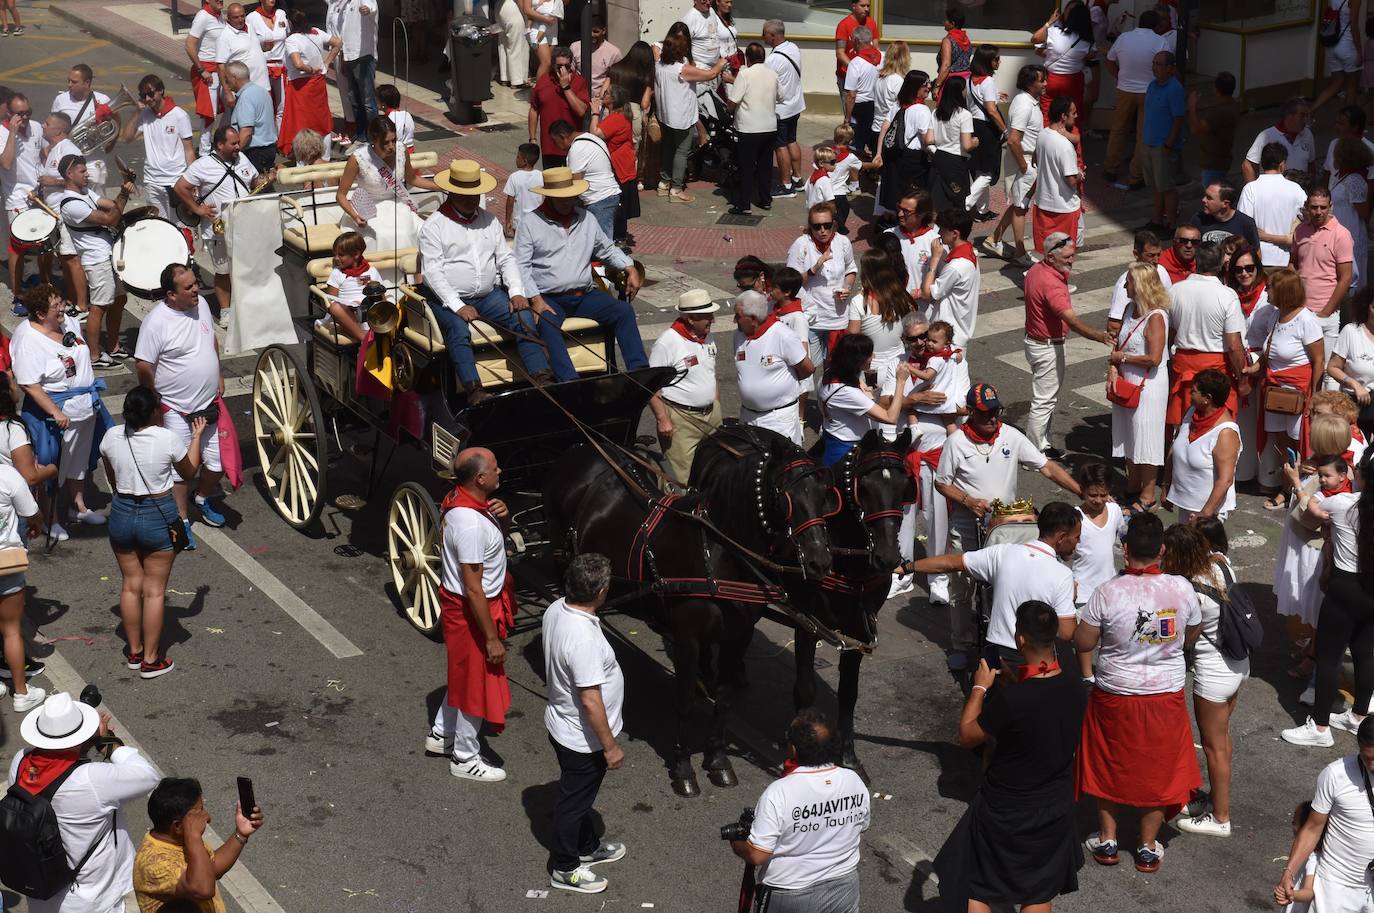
x,y
1013,317
1076,350
313,622
238,881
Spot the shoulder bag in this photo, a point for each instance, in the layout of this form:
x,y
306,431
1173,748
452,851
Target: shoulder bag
x,y
1281,400
1329,29
1124,393
176,530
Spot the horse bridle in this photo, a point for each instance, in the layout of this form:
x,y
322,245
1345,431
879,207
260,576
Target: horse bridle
x,y
794,532
854,470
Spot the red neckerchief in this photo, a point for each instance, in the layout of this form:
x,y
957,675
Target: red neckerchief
x,y
1356,434
1176,268
819,249
768,323
946,352
357,269
913,235
973,435
871,54
790,306
1148,570
390,111
840,153
40,768
1249,299
167,106
270,17
552,215
1343,488
959,37
962,251
448,209
1291,137
1026,671
979,80
683,330
209,9
461,497
1197,427
817,175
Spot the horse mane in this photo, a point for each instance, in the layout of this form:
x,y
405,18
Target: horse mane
x,y
728,480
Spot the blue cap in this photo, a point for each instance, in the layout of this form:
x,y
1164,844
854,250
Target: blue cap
x,y
983,398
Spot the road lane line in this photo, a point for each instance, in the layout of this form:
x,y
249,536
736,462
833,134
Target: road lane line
x,y
313,622
238,881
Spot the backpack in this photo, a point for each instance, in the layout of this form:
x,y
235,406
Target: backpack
x,y
33,860
1239,632
1329,28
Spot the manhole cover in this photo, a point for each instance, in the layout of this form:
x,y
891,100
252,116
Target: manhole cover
x,y
731,219
347,551
349,502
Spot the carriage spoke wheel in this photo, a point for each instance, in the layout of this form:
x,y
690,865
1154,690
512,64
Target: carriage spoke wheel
x,y
288,429
412,552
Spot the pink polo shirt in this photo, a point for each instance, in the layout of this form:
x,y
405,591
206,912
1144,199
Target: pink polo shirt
x,y
1316,252
1047,298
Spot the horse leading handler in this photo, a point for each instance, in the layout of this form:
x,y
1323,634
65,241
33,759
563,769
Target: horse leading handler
x,y
477,598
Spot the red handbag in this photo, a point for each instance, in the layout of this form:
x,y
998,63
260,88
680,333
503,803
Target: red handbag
x,y
1124,393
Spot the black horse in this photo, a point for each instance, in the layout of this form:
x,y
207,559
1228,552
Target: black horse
x,y
702,591
874,483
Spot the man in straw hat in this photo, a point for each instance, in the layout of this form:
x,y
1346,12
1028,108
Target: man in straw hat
x,y
555,246
688,409
86,795
463,253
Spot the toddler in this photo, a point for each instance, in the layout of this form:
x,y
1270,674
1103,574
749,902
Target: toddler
x,y
520,196
1302,892
820,188
943,370
844,180
537,31
351,274
787,307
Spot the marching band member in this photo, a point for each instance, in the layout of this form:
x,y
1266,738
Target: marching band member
x,y
92,219
237,45
51,184
166,132
208,185
202,47
268,28
463,252
689,409
21,158
771,360
81,104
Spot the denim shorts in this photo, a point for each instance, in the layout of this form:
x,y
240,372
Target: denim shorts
x,y
12,583
140,523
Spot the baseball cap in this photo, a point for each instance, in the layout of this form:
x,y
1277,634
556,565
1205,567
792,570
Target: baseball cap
x,y
983,397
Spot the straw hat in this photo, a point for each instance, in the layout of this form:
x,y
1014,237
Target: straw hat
x,y
60,723
696,303
558,182
467,177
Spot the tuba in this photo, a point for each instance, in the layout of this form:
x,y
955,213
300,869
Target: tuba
x,y
92,136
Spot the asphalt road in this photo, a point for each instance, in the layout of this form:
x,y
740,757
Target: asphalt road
x,y
295,668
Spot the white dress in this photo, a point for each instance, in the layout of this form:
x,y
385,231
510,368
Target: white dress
x,y
380,196
1138,434
1247,467
1346,191
1298,568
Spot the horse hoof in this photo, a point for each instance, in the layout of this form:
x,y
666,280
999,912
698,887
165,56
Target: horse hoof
x,y
687,788
724,778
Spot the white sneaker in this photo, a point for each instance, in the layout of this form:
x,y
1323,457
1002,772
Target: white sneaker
x,y
92,518
1346,720
1204,824
29,700
4,689
475,769
901,585
581,879
437,744
1308,698
1308,734
58,533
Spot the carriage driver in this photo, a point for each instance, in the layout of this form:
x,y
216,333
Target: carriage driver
x,y
463,253
555,245
979,465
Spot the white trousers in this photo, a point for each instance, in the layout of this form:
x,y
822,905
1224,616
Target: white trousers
x,y
513,54
1331,329
450,722
785,420
161,197
1046,362
979,193
1334,897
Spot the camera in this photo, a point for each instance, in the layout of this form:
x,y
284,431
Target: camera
x,y
738,830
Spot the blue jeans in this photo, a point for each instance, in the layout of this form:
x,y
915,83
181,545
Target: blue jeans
x,y
604,213
605,310
140,524
494,308
362,85
1210,177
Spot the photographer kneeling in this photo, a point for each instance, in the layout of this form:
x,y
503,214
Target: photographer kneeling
x,y
805,829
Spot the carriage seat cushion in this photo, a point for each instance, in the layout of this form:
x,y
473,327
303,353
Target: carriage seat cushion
x,y
425,334
385,261
330,334
311,240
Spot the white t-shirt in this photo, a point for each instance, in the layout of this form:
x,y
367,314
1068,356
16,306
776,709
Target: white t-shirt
x,y
705,32
181,347
948,132
16,182
887,337
860,79
519,185
41,360
846,411
1094,561
153,450
1348,844
1143,620
844,179
916,253
820,190
310,45
1134,52
589,156
1020,572
13,435
1194,467
1273,202
1357,348
1055,159
811,821
65,104
980,93
918,122
1121,302
59,150
470,537
242,47
785,60
955,291
885,96
16,502
577,655
1202,312
1344,509
94,243
951,378
823,311
1287,342
348,290
766,379
205,173
988,471
1302,149
697,388
674,97
164,155
1025,115
274,31
1065,52
207,27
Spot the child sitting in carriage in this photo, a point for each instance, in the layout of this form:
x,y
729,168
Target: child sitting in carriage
x,y
346,285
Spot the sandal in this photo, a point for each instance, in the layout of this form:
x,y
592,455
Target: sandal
x,y
1140,507
1277,501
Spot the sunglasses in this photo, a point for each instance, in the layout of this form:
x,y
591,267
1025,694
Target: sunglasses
x,y
912,339
1247,269
1187,241
1062,242
905,211
822,226
147,94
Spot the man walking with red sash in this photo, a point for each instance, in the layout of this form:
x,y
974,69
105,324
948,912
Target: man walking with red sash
x,y
478,606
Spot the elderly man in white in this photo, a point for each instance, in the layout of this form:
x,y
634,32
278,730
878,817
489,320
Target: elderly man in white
x,y
772,363
688,409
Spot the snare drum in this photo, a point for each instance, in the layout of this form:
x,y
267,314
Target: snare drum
x,y
34,231
144,249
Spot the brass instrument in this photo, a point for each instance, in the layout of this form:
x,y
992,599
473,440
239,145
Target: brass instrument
x,y
91,136
383,316
217,226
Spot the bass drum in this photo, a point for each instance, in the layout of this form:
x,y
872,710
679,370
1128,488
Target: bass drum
x,y
147,247
34,231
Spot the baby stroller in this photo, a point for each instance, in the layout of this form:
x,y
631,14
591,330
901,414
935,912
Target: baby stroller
x,y
718,160
1004,524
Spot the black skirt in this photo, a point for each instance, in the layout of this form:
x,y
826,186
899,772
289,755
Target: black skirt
x,y
629,199
1011,852
987,158
949,181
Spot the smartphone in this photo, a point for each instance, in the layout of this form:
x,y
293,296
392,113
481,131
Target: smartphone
x,y
1292,457
246,801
